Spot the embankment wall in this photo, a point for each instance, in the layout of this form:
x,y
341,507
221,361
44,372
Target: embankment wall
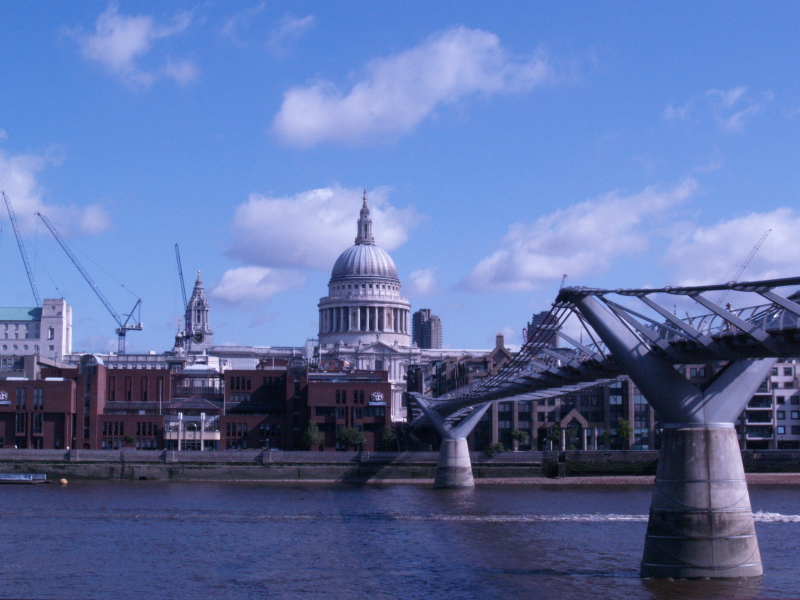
x,y
344,466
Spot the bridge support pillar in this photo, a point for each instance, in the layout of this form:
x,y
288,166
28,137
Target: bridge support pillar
x,y
701,524
454,469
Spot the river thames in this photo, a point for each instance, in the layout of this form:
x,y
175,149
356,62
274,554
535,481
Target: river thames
x,y
144,539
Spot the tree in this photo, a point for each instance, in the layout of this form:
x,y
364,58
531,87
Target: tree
x,y
350,437
572,436
493,449
519,437
388,438
312,436
554,435
624,432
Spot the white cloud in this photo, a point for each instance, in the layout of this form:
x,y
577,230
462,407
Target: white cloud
x,y
579,240
310,229
18,180
714,254
3,134
290,29
119,42
729,109
255,285
398,92
422,282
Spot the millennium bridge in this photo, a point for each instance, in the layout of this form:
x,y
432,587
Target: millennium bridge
x,y
701,523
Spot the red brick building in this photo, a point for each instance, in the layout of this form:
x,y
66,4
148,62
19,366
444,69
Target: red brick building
x,y
95,407
337,399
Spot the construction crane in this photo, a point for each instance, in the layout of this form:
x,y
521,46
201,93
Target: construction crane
x,y
123,326
187,320
24,254
744,264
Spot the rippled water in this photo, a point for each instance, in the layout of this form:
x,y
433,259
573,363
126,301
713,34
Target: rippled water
x,y
241,540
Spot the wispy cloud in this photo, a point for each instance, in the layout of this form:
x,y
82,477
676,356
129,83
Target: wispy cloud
x,y
579,240
234,26
400,91
18,178
119,43
255,285
729,109
290,29
310,229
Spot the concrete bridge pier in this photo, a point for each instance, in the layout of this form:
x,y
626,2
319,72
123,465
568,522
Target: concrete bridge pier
x,y
701,524
454,468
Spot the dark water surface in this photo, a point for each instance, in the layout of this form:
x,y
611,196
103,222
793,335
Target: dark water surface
x,y
253,540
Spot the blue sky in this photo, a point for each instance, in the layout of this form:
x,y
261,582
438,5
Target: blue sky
x,y
501,145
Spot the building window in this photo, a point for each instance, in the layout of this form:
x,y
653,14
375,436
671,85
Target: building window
x,y
787,371
38,398
781,430
781,414
20,423
795,415
51,333
37,422
22,397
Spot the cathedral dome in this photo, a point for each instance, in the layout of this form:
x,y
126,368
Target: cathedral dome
x,y
364,260
364,304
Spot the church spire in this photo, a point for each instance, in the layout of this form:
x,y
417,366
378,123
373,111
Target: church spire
x,y
365,225
197,312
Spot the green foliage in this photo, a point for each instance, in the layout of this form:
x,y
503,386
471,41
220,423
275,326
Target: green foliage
x,y
350,437
572,436
624,431
312,436
519,436
554,434
388,437
129,440
493,449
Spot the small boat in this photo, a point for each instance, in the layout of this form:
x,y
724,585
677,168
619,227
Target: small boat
x,y
23,478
